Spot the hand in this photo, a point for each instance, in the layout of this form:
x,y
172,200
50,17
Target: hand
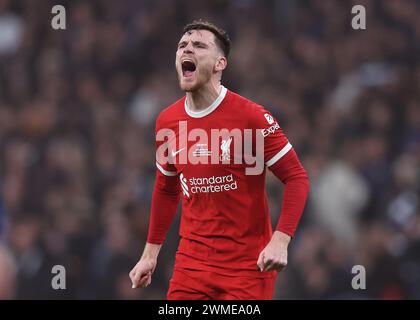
x,y
274,255
141,274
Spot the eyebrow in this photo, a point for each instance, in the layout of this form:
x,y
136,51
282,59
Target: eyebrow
x,y
194,43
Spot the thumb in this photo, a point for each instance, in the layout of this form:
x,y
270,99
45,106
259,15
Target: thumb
x,y
260,262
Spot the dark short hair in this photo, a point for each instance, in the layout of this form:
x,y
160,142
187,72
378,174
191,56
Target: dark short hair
x,y
222,38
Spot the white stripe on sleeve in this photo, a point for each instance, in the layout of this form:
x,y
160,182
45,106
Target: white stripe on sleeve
x,y
279,155
166,173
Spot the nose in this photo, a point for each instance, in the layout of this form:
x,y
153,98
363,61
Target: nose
x,y
188,48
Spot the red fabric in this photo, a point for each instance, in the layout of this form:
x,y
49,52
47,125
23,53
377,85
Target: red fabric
x,y
225,221
165,200
290,171
205,285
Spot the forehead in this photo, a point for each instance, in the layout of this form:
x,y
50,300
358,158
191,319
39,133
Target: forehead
x,y
198,35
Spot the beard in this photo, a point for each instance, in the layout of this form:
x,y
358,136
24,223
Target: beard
x,y
201,78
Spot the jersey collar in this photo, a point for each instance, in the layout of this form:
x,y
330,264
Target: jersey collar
x,y
208,110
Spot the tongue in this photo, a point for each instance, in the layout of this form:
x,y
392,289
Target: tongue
x,y
188,73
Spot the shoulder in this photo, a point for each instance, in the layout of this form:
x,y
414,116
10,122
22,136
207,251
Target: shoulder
x,y
255,113
171,113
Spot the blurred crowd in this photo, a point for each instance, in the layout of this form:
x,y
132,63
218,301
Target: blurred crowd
x,y
77,158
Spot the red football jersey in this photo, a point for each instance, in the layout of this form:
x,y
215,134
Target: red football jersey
x,y
225,221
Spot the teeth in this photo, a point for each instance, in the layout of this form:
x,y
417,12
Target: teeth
x,y
185,60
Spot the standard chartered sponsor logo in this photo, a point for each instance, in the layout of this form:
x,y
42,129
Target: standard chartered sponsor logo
x,y
184,185
211,184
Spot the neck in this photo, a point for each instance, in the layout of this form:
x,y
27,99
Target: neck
x,y
202,98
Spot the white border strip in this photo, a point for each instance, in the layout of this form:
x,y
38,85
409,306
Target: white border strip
x,y
208,110
279,155
166,173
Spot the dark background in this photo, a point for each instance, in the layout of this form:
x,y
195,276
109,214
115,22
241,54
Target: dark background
x,y
77,112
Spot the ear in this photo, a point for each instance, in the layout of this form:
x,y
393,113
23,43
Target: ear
x,y
221,64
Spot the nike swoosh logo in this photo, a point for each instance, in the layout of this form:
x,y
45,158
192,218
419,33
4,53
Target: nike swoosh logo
x,y
174,153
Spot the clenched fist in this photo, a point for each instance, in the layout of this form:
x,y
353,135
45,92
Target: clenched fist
x,y
141,274
274,255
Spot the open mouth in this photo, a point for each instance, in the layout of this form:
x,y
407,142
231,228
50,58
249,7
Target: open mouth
x,y
188,68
